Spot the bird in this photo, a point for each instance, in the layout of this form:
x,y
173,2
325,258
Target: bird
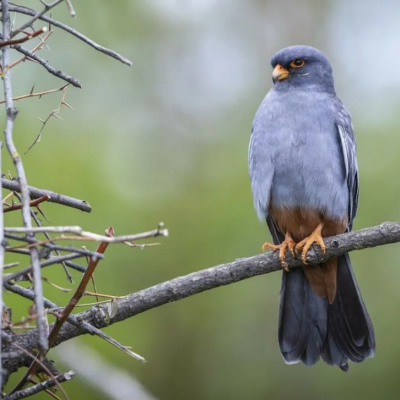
x,y
305,184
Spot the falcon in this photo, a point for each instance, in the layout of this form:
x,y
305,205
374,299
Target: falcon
x,y
304,180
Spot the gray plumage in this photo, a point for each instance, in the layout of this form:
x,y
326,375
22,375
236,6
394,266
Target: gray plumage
x,y
302,153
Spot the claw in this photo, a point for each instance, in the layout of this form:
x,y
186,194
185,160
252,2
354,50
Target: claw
x,y
287,244
306,243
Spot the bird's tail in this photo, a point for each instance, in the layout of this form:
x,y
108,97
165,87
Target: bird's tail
x,y
310,327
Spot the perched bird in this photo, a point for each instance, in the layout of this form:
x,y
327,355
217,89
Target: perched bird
x,y
304,180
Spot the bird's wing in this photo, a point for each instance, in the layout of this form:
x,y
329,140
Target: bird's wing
x,y
348,146
261,169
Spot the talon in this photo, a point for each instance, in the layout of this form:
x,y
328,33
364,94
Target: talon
x,y
270,246
287,244
306,243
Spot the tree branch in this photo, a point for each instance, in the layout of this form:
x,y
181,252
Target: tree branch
x,y
35,193
210,278
66,376
54,71
66,28
35,17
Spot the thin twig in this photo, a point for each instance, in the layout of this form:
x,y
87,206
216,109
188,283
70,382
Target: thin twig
x,y
36,94
74,320
56,72
9,126
28,36
8,339
22,394
70,264
77,230
80,36
31,204
43,264
71,10
38,223
67,310
36,16
34,50
55,113
54,197
51,246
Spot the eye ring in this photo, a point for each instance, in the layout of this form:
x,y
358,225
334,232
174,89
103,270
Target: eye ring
x,y
297,63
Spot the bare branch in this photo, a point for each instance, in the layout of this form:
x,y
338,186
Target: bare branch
x,y
104,50
43,264
28,36
71,10
77,230
36,94
34,50
22,394
36,193
26,215
38,223
220,275
55,113
72,319
31,204
36,16
9,126
56,72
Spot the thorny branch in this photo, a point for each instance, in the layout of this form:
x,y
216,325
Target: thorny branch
x,y
66,376
43,252
26,214
35,17
54,197
68,309
68,29
210,278
55,113
54,71
36,94
9,122
34,50
28,36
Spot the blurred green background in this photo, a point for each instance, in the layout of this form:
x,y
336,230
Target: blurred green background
x,y
166,140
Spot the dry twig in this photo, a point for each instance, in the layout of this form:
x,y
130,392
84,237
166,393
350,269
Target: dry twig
x,y
55,113
36,94
89,236
42,386
54,71
11,114
31,204
35,17
34,50
66,28
41,252
35,193
28,36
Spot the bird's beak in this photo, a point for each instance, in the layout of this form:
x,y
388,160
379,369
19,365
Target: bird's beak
x,y
279,73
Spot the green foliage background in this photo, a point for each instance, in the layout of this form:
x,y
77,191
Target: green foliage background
x,y
166,140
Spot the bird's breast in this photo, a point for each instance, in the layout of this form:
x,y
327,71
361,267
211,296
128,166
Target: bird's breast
x,y
300,140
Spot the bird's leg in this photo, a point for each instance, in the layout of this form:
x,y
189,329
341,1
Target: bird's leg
x,y
306,243
288,243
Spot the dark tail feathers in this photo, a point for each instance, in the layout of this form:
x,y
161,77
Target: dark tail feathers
x,y
310,328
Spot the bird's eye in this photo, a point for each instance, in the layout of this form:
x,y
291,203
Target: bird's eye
x,y
297,63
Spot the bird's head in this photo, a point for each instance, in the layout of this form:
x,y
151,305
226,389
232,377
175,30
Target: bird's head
x,y
302,67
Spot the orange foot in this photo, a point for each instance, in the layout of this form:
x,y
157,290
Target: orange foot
x,y
306,243
288,243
